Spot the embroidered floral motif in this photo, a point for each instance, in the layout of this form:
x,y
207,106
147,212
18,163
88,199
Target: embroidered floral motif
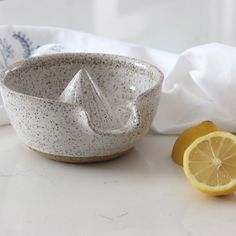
x,y
57,48
26,43
7,52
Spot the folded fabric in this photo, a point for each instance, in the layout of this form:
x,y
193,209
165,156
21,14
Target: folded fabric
x,y
199,84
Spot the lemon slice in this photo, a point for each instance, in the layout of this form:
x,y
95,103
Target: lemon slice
x,y
210,163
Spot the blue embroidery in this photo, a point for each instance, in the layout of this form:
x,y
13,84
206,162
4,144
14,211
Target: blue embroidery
x,y
57,48
26,43
6,52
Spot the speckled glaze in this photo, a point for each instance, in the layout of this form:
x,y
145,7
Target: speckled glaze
x,y
67,132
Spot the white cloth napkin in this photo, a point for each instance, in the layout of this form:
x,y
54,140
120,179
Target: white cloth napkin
x,y
199,84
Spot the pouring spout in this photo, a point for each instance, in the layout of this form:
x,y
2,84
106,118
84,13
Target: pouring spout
x,y
129,128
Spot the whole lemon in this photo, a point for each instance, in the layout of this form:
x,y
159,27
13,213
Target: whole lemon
x,y
187,138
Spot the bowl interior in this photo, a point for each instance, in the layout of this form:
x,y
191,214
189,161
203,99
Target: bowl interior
x,y
119,78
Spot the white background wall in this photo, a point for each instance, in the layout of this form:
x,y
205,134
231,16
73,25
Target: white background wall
x,y
172,25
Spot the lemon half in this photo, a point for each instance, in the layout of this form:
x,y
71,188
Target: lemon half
x,y
210,163
188,137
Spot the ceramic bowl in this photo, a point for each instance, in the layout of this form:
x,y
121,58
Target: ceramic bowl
x,y
67,132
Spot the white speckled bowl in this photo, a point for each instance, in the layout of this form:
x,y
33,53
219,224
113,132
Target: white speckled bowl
x,y
66,132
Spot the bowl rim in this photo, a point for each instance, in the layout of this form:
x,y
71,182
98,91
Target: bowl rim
x,y
112,57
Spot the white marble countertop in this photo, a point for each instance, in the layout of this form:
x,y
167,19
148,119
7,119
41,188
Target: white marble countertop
x,y
141,194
